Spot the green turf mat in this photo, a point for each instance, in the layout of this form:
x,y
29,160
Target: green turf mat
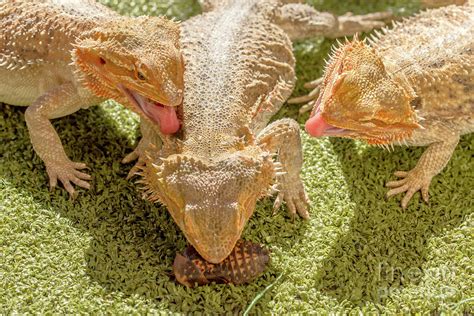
x,y
111,252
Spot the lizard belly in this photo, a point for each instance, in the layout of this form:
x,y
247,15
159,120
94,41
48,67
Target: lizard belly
x,y
23,86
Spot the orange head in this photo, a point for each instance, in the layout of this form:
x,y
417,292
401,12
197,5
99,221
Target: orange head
x,y
137,62
361,98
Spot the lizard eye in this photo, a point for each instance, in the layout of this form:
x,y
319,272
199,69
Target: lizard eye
x,y
141,76
102,61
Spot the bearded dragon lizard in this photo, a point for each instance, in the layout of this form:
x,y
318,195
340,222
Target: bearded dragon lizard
x,y
58,56
239,70
412,85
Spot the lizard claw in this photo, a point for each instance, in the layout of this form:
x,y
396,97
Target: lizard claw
x,y
278,202
67,172
137,153
410,183
134,155
295,199
136,168
130,157
143,152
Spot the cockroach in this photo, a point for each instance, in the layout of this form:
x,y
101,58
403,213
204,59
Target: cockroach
x,y
245,263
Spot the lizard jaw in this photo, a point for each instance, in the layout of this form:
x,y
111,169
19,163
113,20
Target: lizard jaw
x,y
316,126
164,115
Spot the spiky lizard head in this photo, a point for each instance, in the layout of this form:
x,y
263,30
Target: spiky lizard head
x,y
137,62
211,201
361,98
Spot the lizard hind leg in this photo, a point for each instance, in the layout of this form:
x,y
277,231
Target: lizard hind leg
x,y
302,21
283,136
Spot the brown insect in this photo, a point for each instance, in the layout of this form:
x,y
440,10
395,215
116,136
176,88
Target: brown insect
x,y
246,262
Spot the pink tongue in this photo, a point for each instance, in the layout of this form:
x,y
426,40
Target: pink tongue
x,y
165,116
316,126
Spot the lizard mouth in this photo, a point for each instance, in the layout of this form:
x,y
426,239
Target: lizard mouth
x,y
316,126
164,115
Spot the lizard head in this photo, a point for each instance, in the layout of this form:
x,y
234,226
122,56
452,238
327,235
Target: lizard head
x,y
210,202
360,98
137,62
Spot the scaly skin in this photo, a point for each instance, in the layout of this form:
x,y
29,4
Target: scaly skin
x,y
239,72
58,57
413,85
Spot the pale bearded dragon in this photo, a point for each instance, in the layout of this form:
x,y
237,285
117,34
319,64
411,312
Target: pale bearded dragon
x,y
239,70
58,56
412,85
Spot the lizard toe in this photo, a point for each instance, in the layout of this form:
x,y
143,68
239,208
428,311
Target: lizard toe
x,y
130,157
306,98
306,108
397,190
67,172
395,184
68,186
425,194
82,175
313,84
278,201
302,208
53,181
81,183
406,199
135,169
291,207
401,174
79,165
413,181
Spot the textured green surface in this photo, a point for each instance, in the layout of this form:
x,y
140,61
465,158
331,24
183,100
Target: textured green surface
x,y
110,251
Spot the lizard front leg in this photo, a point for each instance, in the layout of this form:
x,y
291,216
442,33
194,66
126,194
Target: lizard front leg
x,y
433,160
283,136
150,143
59,102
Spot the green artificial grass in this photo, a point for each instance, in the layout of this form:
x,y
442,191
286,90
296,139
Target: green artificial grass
x,y
111,252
